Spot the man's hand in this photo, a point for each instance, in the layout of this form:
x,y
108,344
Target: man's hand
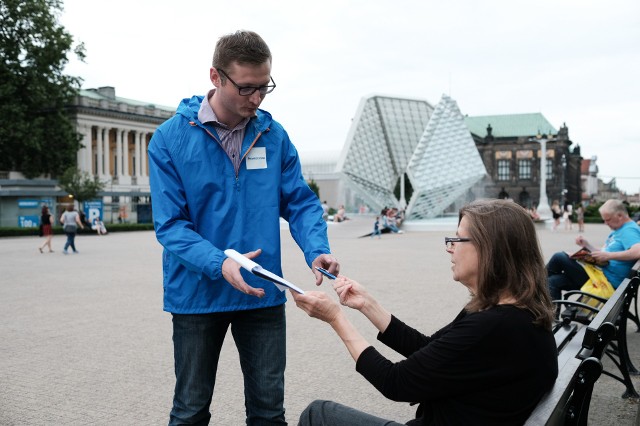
x,y
231,273
581,241
327,262
601,256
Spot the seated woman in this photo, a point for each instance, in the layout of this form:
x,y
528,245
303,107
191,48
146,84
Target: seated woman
x,y
99,226
341,215
491,365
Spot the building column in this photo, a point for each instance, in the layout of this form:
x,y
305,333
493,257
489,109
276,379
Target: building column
x,y
143,155
137,152
125,154
107,155
100,151
84,153
118,165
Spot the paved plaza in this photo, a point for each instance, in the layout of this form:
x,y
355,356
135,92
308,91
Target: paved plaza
x,y
84,340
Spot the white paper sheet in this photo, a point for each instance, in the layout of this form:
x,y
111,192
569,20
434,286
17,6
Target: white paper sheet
x,y
259,271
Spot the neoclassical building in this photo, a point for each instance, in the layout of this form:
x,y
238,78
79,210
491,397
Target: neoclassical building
x,y
115,135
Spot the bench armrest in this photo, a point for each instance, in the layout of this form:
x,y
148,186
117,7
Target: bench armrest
x,y
576,304
582,293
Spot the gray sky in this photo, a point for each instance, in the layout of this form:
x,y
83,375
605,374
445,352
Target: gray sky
x,y
576,62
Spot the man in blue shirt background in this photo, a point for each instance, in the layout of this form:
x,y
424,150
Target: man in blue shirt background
x,y
621,250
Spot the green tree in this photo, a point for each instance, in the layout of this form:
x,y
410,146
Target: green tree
x,y
36,134
81,185
314,187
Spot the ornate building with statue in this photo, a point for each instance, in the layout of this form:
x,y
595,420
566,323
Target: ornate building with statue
x,y
510,149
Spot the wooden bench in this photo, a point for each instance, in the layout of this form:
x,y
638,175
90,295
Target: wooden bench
x,y
633,316
567,403
615,311
607,334
581,343
580,350
578,312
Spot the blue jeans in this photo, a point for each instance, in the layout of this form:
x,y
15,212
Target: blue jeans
x,y
260,336
325,413
71,237
565,274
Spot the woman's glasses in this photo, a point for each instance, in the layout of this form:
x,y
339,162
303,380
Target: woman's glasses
x,y
450,241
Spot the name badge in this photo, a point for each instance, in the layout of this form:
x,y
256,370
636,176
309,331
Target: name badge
x,y
257,158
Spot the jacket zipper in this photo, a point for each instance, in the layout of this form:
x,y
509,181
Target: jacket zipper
x,y
220,143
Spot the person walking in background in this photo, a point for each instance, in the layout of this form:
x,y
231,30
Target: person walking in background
x,y
46,221
70,221
580,217
376,228
325,211
568,212
556,213
222,173
498,352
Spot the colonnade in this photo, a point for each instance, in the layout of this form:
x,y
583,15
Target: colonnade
x,y
117,155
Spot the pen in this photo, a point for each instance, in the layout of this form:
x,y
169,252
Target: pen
x,y
326,273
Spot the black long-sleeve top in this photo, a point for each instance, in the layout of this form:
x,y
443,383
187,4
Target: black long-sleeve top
x,y
485,368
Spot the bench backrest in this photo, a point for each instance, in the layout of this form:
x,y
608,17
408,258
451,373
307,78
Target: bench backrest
x,y
635,269
568,401
602,327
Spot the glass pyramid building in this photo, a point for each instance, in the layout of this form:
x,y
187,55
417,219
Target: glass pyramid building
x,y
391,137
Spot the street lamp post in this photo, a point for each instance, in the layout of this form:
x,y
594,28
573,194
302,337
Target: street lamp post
x,y
543,206
562,188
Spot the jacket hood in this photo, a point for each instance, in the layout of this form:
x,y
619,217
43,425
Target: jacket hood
x,y
189,108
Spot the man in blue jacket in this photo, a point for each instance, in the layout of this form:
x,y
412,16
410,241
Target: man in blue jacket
x,y
222,174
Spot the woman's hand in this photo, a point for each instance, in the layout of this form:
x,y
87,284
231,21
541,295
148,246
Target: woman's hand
x,y
317,305
351,293
355,296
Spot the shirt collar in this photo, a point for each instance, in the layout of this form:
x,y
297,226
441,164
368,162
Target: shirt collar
x,y
206,114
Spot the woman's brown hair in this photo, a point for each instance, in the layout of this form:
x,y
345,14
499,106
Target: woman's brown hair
x,y
510,261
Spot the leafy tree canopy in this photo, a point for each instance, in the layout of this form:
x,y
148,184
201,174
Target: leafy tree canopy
x,y
36,134
80,184
314,187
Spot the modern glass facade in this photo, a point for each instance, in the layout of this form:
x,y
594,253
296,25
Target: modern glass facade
x,y
391,137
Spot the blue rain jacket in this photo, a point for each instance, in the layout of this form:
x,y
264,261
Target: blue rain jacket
x,y
200,208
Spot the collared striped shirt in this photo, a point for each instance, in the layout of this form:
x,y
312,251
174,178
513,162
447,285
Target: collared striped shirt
x,y
230,139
